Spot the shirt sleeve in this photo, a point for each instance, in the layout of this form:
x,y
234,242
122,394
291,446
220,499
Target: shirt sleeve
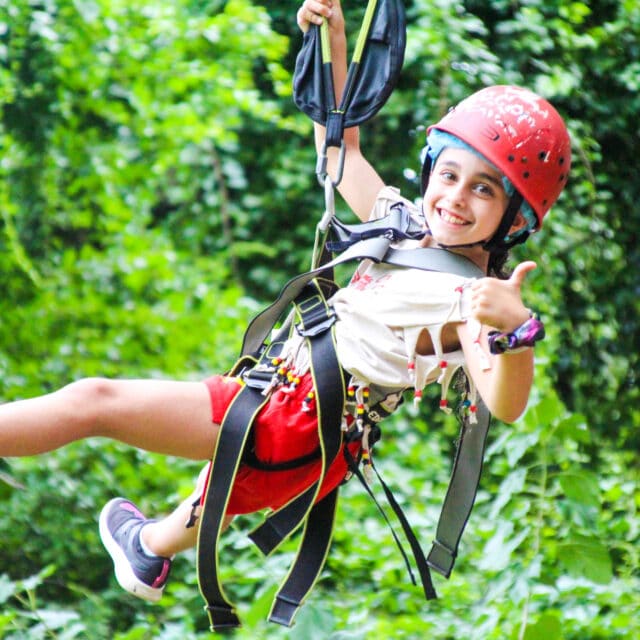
x,y
387,197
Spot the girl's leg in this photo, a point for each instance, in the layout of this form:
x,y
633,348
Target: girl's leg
x,y
170,535
161,416
142,549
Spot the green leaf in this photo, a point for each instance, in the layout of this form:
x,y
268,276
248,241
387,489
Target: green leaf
x,y
581,486
7,588
547,627
574,428
586,557
519,445
313,616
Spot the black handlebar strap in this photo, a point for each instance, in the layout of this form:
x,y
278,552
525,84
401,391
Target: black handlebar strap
x,y
373,71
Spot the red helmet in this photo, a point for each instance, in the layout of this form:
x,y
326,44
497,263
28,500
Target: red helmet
x,y
521,134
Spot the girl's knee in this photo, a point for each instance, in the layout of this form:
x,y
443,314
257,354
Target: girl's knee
x,y
89,400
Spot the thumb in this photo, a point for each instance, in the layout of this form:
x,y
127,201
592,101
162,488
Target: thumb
x,y
520,272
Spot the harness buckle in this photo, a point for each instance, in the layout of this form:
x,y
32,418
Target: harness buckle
x,y
259,377
441,558
317,321
222,617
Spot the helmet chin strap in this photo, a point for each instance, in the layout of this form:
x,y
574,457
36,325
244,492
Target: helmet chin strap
x,y
497,240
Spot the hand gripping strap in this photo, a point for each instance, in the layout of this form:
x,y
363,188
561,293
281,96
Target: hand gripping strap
x,y
226,460
372,75
461,494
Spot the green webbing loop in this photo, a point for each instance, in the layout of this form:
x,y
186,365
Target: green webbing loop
x,y
364,30
324,41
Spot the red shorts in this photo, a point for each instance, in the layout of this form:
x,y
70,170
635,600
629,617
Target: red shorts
x,y
282,432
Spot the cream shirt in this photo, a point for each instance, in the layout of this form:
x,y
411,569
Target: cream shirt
x,y
381,314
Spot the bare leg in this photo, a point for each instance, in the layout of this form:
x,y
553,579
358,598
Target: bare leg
x,y
161,416
169,536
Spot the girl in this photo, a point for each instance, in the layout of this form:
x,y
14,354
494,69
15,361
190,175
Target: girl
x,y
493,168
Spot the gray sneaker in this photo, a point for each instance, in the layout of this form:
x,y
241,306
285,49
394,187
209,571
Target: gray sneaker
x,y
138,573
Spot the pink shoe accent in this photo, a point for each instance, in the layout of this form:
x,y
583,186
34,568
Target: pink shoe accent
x,y
160,580
127,506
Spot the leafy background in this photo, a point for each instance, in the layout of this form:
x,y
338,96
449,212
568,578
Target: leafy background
x,y
157,188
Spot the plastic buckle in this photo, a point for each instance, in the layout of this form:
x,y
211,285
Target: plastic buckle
x,y
283,610
317,322
441,558
259,377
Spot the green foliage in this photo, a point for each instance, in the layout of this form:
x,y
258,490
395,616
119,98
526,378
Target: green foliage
x,y
157,187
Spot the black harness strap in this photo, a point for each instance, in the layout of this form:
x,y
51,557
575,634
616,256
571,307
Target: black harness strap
x,y
421,563
330,398
225,463
316,322
305,571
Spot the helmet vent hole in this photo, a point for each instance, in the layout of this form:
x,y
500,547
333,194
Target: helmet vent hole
x,y
561,160
543,156
511,158
525,175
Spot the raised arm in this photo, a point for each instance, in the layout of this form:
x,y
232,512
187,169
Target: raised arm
x,y
360,182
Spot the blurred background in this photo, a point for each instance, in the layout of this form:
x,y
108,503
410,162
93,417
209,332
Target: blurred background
x,y
157,188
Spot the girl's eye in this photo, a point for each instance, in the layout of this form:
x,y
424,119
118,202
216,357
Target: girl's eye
x,y
447,175
484,189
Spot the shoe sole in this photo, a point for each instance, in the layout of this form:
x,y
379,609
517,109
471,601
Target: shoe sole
x,y
124,574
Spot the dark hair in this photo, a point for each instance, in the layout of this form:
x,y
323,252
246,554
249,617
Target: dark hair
x,y
497,261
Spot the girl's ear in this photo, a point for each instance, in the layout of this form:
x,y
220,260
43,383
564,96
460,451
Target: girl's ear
x,y
520,222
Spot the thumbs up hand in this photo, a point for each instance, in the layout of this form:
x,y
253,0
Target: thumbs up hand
x,y
498,303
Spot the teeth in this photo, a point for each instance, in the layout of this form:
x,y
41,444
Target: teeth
x,y
451,219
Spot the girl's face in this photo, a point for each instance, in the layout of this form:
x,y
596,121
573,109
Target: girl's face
x,y
465,198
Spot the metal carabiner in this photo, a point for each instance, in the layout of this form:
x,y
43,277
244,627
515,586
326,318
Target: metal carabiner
x,y
321,165
322,228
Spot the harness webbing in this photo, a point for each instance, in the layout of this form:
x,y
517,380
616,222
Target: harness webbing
x,y
421,562
397,225
316,322
461,493
364,241
226,460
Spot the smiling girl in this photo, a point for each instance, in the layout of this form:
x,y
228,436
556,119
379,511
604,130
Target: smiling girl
x,y
493,167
